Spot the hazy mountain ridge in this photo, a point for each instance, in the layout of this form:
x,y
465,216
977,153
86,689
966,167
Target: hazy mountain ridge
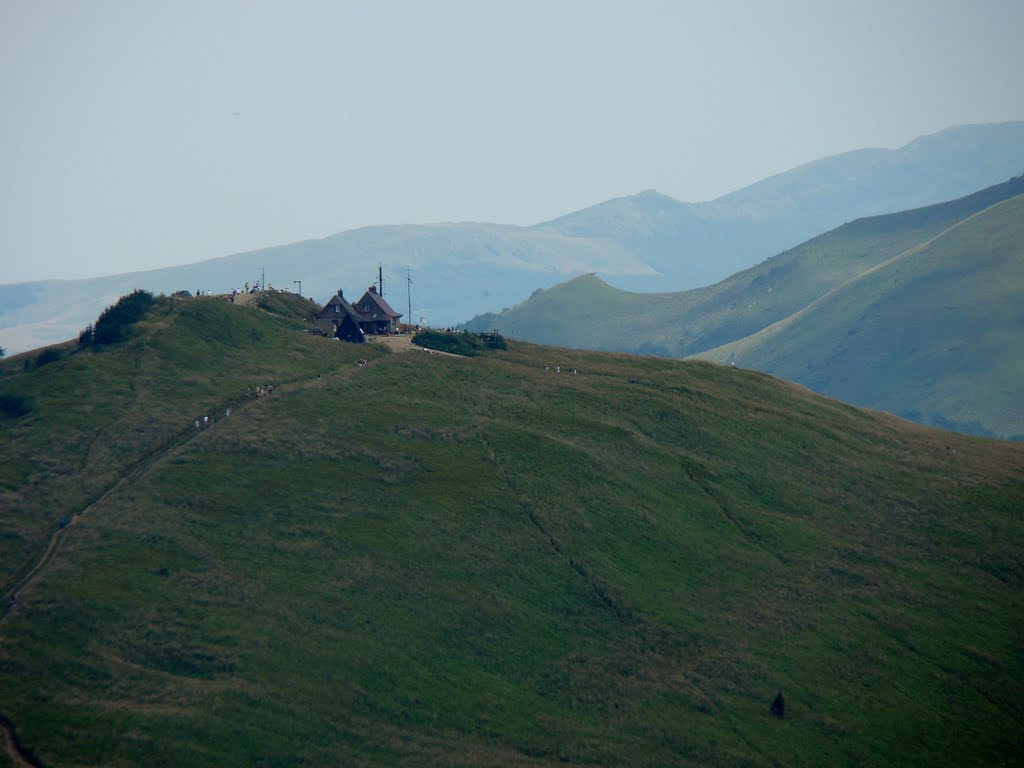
x,y
591,314
946,162
697,244
687,322
645,242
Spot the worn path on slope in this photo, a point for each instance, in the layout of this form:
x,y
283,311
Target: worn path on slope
x,y
15,751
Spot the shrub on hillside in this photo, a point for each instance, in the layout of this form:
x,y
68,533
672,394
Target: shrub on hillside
x,y
47,356
466,344
493,340
115,322
13,406
778,708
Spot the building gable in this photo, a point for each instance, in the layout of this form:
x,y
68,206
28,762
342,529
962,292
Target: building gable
x,y
374,307
371,314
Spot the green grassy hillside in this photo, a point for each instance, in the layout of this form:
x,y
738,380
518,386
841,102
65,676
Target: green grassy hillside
x,y
936,334
96,414
586,313
443,560
936,377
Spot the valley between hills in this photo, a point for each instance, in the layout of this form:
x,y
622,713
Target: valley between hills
x,y
917,313
433,559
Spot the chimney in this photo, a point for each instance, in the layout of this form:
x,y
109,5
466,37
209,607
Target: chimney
x,y
372,289
340,294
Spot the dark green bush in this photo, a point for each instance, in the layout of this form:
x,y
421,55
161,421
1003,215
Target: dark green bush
x,y
493,340
115,322
48,355
13,406
463,343
467,344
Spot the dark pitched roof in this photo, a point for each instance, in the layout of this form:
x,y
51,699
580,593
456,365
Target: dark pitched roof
x,y
338,300
372,306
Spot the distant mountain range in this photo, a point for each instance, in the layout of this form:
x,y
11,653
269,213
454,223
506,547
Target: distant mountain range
x,y
918,313
689,245
643,242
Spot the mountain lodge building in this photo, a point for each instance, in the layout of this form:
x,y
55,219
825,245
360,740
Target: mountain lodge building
x,y
378,316
371,314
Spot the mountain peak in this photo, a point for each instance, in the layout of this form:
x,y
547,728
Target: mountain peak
x,y
652,195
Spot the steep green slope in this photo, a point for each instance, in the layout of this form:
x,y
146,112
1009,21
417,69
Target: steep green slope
x,y
936,334
439,560
587,314
97,413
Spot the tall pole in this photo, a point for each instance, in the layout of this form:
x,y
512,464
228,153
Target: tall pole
x,y
299,284
408,293
380,278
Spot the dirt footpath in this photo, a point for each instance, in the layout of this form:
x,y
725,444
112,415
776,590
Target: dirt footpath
x,y
403,344
395,343
242,299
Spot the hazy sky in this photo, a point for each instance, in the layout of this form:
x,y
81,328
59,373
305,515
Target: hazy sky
x,y
140,133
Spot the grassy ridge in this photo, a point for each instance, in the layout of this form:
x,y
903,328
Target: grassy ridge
x,y
933,335
920,362
590,314
99,411
462,561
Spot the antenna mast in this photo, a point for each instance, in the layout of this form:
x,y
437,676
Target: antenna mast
x,y
380,278
408,293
